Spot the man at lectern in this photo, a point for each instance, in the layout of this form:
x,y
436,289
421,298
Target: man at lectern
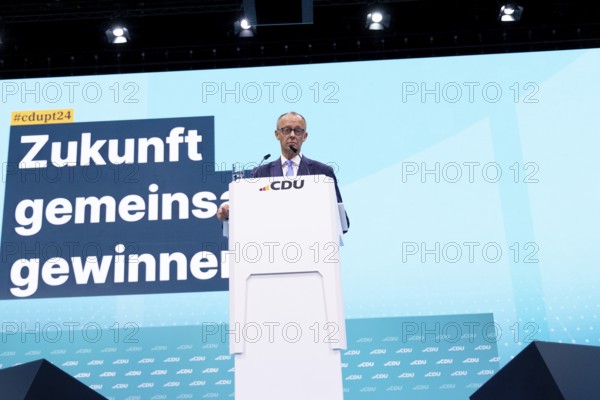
x,y
291,133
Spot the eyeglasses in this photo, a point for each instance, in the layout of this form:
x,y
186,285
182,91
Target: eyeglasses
x,y
286,130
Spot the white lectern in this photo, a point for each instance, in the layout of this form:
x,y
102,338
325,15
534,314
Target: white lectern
x,y
287,322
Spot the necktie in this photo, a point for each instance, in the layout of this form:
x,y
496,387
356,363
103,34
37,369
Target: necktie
x,y
290,168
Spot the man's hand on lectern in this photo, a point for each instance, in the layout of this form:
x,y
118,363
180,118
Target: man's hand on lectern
x,y
223,212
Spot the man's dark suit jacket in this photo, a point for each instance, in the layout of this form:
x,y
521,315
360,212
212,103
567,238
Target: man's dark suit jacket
x,y
307,167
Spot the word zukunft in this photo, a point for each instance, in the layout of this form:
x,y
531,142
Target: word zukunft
x,y
87,150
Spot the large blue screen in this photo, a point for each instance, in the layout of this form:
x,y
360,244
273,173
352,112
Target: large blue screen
x,y
470,182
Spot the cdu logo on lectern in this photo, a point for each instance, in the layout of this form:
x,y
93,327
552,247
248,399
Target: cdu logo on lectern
x,y
283,185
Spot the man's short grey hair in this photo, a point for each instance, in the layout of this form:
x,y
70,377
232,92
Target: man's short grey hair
x,y
290,113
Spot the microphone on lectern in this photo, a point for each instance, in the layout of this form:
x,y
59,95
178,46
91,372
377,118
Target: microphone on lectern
x,y
265,158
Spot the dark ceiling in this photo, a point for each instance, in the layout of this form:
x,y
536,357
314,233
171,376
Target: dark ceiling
x,y
63,37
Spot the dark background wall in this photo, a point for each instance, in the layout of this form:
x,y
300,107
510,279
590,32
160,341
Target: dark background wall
x,y
63,37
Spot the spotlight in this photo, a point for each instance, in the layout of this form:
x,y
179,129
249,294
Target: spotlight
x,y
510,12
117,35
244,28
377,20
